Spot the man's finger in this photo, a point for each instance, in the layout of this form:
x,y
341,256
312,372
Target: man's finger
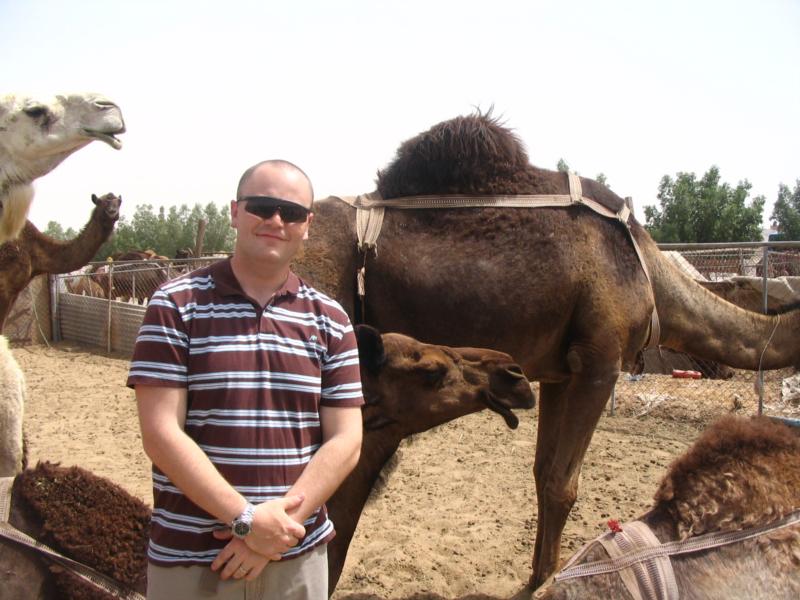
x,y
223,557
223,534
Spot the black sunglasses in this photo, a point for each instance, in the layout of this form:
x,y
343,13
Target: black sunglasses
x,y
264,207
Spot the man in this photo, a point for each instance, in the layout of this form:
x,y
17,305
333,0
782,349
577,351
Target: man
x,y
248,391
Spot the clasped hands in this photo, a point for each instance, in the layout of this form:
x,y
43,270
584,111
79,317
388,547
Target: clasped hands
x,y
273,533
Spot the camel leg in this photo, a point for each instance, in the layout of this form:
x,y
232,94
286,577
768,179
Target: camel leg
x,y
568,415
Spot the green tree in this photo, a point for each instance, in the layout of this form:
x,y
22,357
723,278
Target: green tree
x,y
55,231
169,230
602,179
786,212
562,165
704,210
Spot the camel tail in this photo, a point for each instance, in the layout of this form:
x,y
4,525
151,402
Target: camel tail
x,y
14,212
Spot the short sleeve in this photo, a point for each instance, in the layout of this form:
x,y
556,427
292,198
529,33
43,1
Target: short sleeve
x,y
341,375
161,353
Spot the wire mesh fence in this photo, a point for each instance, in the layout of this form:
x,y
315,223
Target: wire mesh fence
x,y
103,305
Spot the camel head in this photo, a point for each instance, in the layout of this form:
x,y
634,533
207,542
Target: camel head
x,y
413,386
36,135
107,206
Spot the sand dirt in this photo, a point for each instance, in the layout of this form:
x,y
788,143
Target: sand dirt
x,y
458,514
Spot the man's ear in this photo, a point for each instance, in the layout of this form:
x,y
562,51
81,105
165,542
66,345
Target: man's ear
x,y
234,213
371,353
308,225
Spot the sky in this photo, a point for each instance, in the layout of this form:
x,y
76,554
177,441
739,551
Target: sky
x,y
632,89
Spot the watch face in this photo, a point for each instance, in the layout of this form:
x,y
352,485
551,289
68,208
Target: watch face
x,y
240,529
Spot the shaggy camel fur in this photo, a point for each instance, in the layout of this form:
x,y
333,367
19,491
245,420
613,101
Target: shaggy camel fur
x,y
740,473
560,289
36,135
409,387
83,516
34,253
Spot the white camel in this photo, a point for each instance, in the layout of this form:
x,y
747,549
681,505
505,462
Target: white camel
x,y
35,136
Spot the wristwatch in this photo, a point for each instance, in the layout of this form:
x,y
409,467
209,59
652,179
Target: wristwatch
x,y
242,524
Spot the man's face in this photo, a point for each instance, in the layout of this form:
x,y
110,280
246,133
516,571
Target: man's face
x,y
271,242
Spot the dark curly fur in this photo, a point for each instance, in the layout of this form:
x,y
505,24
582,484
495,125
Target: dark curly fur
x,y
473,154
740,473
91,520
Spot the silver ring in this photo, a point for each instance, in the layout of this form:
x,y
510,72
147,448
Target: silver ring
x,y
241,571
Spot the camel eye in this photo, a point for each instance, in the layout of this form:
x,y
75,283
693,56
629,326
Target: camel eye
x,y
34,112
434,375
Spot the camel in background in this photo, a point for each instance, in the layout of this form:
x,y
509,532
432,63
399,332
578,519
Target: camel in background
x,y
560,289
137,274
739,474
409,387
35,253
36,135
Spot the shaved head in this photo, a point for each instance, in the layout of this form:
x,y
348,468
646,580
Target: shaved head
x,y
280,170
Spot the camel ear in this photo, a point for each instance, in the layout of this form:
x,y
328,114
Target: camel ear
x,y
95,199
371,353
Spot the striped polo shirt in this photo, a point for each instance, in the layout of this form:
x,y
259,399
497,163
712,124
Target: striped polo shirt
x,y
256,378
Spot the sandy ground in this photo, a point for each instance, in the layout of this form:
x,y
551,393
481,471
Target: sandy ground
x,y
458,514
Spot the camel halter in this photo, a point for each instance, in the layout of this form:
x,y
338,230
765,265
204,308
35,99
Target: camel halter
x,y
88,574
643,563
370,208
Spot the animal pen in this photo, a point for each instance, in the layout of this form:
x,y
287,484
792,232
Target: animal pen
x,y
104,304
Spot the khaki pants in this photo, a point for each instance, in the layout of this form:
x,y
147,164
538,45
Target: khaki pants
x,y
301,578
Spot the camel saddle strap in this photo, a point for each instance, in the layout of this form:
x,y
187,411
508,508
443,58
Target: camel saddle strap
x,y
370,211
651,579
654,549
88,574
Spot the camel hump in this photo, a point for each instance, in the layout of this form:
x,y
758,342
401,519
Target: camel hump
x,y
477,155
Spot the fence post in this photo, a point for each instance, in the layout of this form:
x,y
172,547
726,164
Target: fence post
x,y
54,322
764,275
110,302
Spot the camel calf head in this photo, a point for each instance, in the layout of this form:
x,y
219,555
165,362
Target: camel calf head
x,y
412,386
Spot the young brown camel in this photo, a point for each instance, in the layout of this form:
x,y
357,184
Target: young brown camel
x,y
36,135
34,253
560,288
409,387
739,474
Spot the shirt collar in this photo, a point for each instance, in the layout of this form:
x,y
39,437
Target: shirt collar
x,y
226,283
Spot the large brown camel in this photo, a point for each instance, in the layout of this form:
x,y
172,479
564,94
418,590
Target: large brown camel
x,y
409,387
36,134
560,289
739,474
34,253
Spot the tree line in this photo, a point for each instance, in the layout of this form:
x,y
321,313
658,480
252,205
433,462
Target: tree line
x,y
707,209
165,231
691,210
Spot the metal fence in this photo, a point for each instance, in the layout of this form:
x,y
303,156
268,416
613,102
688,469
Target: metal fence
x,y
103,305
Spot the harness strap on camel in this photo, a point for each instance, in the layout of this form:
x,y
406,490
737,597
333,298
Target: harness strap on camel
x,y
86,573
370,211
647,575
